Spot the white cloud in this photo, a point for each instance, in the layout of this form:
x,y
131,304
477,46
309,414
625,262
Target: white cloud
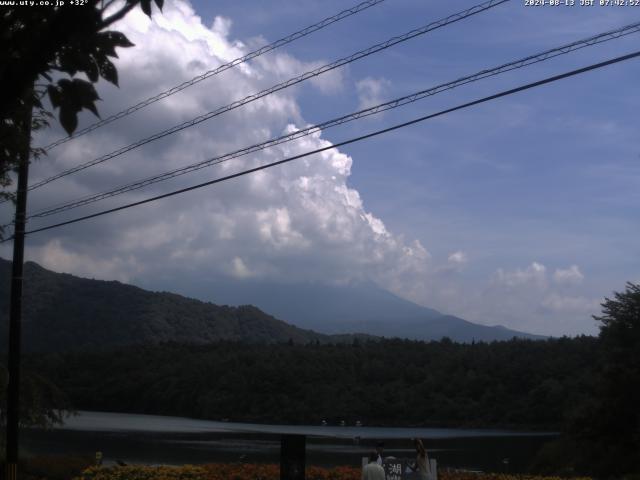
x,y
297,221
455,264
239,269
283,66
568,304
301,221
526,299
457,258
534,275
114,267
569,276
275,229
372,91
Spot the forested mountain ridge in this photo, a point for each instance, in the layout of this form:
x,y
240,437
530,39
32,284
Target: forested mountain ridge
x,y
63,312
520,383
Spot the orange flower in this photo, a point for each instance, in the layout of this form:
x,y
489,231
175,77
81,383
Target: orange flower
x,y
231,471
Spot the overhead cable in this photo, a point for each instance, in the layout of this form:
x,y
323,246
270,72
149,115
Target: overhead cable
x,y
346,142
249,56
523,62
281,86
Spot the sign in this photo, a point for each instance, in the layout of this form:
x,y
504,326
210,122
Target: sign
x,y
292,457
393,469
398,469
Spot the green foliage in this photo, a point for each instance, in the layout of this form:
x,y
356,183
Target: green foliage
x,y
63,312
556,457
589,387
43,50
529,384
71,96
42,404
618,381
607,426
620,320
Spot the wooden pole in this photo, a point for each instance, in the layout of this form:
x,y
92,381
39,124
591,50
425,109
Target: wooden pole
x,y
15,315
292,457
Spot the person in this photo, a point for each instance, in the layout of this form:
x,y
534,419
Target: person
x,y
379,452
373,471
421,465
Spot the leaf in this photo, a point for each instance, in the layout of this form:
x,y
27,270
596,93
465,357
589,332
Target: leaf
x,y
146,7
85,90
92,70
71,60
118,39
84,95
64,84
109,72
71,96
68,118
92,108
104,45
54,95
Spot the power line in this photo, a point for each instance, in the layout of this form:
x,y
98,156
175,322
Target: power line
x,y
347,142
249,56
523,62
292,81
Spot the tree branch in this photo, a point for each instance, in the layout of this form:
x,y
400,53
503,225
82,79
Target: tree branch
x,y
107,5
119,14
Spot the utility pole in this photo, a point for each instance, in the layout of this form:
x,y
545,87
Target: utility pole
x,y
15,315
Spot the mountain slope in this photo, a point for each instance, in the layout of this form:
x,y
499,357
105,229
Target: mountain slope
x,y
64,312
364,308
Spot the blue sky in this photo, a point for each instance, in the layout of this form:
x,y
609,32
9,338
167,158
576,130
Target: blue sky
x,y
522,211
551,175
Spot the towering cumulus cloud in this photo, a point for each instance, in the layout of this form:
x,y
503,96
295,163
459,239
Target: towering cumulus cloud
x,y
298,221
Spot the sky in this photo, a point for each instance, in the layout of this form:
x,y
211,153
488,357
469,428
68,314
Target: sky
x,y
520,212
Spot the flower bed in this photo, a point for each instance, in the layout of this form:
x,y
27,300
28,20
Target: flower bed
x,y
229,471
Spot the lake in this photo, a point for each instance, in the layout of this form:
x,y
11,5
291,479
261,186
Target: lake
x,y
153,439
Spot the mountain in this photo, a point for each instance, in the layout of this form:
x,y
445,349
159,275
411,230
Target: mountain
x,y
64,312
364,308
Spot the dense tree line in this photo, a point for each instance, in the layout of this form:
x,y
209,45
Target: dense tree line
x,y
532,384
604,433
587,387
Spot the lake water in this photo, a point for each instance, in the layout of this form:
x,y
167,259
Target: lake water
x,y
155,439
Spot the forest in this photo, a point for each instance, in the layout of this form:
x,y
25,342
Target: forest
x,y
588,388
520,383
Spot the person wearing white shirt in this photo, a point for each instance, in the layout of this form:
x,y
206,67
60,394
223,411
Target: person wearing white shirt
x,y
373,471
379,452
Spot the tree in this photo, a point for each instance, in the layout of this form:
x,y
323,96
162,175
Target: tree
x,y
607,429
619,380
50,45
43,403
44,50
